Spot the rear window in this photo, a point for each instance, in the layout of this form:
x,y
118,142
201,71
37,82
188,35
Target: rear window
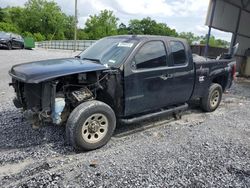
x,y
178,53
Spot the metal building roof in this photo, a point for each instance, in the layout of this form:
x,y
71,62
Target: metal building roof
x,y
231,16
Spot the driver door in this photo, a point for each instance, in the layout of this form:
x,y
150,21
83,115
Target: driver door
x,y
148,79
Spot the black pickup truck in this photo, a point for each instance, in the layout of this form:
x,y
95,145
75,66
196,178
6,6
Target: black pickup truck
x,y
119,78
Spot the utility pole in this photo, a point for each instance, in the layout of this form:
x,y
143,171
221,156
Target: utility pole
x,y
75,35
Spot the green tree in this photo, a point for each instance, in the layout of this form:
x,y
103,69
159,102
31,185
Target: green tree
x,y
135,27
27,34
150,27
163,29
101,25
122,30
14,15
190,37
8,27
69,27
82,35
39,18
45,17
222,43
1,14
213,42
39,37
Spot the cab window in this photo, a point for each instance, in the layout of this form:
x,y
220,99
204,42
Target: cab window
x,y
151,55
178,53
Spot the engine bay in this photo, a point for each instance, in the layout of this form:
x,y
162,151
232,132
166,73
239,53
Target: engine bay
x,y
52,101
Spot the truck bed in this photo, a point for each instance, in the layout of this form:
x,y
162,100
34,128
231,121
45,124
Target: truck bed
x,y
206,69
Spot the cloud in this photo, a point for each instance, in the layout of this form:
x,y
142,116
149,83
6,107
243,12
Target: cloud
x,y
222,35
201,29
5,3
144,7
189,7
82,20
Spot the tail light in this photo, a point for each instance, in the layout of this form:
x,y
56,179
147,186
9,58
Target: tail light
x,y
234,71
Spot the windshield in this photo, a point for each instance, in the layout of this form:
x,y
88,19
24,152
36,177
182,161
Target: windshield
x,y
109,51
4,35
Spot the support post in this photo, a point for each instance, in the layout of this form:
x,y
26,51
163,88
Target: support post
x,y
235,34
210,27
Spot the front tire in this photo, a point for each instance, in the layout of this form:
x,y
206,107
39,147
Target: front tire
x,y
9,46
90,125
212,100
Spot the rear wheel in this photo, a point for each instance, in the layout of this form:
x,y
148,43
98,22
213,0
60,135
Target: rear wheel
x,y
90,125
212,99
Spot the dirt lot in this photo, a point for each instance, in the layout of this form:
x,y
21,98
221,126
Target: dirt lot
x,y
200,150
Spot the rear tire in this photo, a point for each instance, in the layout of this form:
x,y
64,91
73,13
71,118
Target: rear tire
x,y
212,99
90,125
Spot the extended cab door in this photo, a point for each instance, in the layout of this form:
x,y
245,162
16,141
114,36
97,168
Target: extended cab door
x,y
148,79
183,67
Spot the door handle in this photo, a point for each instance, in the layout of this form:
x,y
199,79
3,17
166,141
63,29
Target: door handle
x,y
165,77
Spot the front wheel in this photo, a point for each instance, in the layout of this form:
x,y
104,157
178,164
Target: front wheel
x,y
212,99
9,46
90,125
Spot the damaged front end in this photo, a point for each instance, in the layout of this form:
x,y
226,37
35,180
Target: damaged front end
x,y
52,101
50,97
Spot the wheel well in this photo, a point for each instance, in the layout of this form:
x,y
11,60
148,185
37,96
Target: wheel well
x,y
222,80
106,98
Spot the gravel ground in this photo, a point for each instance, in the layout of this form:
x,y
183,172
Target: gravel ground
x,y
200,150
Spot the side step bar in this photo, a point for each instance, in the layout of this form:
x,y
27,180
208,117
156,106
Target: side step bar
x,y
166,112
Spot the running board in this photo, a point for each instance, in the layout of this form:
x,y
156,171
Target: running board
x,y
165,112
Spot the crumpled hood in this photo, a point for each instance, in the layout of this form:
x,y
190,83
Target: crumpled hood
x,y
39,71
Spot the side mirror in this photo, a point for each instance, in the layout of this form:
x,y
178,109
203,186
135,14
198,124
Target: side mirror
x,y
133,64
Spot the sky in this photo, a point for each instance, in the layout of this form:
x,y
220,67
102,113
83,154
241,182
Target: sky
x,y
182,15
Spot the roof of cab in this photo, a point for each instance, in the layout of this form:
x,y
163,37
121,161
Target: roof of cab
x,y
146,37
